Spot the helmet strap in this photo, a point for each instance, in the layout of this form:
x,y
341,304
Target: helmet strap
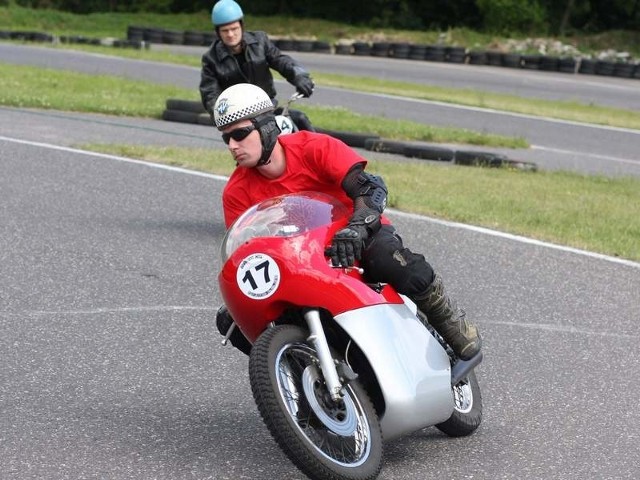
x,y
266,125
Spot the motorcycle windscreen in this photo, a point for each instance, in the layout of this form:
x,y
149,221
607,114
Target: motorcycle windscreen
x,y
282,216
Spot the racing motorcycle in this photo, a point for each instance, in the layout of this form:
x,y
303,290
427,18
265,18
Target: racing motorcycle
x,y
336,364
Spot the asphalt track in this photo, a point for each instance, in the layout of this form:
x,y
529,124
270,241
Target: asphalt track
x,y
554,144
111,367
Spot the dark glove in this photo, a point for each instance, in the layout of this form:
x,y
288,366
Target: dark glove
x,y
347,244
304,85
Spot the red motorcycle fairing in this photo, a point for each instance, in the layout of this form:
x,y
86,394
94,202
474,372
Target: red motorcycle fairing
x,y
275,260
305,278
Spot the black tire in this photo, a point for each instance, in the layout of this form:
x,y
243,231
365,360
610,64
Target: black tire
x,y
380,49
385,146
456,54
605,67
494,58
342,49
180,116
567,65
286,44
624,70
417,52
352,139
326,440
41,37
193,38
587,66
512,60
304,45
208,38
152,35
550,63
435,53
428,152
361,48
478,159
399,50
531,62
135,33
172,37
467,413
478,58
185,105
321,47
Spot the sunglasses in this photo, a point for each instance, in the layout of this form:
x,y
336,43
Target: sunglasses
x,y
238,134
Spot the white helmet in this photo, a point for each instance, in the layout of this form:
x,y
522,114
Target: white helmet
x,y
240,102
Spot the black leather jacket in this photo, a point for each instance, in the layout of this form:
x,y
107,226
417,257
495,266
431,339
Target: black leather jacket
x,y
220,69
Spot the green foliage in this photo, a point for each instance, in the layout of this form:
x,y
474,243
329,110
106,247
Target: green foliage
x,y
513,16
504,16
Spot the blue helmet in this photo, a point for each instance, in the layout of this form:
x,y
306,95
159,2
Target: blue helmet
x,y
226,11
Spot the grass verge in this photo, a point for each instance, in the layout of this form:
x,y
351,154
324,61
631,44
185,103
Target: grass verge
x,y
588,212
562,110
22,86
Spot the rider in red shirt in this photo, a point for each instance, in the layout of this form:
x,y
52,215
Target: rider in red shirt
x,y
311,166
269,165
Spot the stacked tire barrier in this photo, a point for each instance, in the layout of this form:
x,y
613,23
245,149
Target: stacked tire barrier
x,y
186,111
190,111
142,37
26,36
456,54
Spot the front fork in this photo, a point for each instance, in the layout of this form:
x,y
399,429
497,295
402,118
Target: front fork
x,y
327,364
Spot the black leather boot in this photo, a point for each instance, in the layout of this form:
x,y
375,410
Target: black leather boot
x,y
449,320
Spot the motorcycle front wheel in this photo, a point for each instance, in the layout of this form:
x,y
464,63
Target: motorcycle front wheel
x,y
325,439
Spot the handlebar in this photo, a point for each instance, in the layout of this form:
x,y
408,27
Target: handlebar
x,y
292,98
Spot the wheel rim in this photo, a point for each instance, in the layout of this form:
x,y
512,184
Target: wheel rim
x,y
339,417
339,431
463,396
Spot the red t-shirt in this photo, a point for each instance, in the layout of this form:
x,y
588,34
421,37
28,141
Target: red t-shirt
x,y
314,162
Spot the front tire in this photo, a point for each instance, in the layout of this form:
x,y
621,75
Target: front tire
x,y
467,411
326,440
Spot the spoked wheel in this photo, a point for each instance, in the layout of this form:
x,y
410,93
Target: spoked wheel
x,y
326,439
467,410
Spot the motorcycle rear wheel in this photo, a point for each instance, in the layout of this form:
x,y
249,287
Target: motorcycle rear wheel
x,y
323,438
467,410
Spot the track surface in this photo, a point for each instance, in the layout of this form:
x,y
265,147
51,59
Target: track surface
x,y
111,366
555,144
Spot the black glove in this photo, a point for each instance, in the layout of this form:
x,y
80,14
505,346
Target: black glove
x,y
347,244
304,85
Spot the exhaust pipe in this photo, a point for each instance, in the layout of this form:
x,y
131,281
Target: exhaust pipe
x,y
462,368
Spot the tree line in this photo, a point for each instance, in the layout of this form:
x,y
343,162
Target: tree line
x,y
551,17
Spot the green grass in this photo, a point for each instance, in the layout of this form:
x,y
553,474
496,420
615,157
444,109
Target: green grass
x,y
564,110
59,90
588,212
22,86
115,25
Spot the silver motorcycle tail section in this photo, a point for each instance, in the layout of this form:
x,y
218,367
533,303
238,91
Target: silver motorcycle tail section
x,y
412,368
